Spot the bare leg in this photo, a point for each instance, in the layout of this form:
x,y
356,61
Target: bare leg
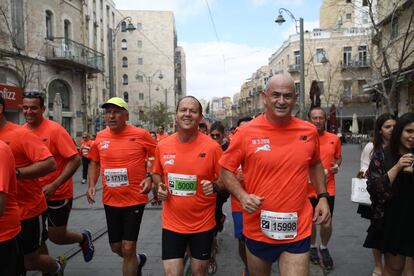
x,y
174,267
257,266
294,264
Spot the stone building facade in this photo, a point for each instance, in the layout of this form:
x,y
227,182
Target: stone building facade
x,y
151,67
56,47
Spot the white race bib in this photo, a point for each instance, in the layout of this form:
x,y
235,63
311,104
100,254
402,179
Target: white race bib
x,y
279,226
182,184
85,151
116,177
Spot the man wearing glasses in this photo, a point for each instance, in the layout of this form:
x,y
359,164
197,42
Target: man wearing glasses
x,y
120,152
279,153
57,185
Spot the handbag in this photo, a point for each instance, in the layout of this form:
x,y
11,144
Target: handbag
x,y
359,193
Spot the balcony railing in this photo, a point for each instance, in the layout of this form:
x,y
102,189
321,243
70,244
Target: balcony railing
x,y
355,64
294,68
69,53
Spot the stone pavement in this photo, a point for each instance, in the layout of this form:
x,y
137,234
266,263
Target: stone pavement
x,y
106,263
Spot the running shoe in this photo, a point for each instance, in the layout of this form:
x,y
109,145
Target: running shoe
x,y
87,246
142,261
326,259
83,181
62,262
314,257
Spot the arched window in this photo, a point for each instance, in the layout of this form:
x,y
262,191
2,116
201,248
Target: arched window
x,y
49,24
124,44
125,79
67,29
58,86
126,96
124,62
123,26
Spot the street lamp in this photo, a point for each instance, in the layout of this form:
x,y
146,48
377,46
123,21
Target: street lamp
x,y
280,20
149,80
111,39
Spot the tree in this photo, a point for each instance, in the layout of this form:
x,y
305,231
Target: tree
x,y
12,51
393,55
159,115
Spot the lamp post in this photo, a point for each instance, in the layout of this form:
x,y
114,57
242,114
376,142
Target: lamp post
x,y
149,80
111,39
279,21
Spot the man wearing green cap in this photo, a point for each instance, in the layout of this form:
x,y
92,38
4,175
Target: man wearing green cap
x,y
119,153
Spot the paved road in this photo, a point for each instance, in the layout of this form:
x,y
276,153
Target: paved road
x,y
349,232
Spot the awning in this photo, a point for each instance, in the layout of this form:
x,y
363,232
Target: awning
x,y
363,111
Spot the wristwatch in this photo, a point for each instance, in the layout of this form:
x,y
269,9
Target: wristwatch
x,y
17,173
326,195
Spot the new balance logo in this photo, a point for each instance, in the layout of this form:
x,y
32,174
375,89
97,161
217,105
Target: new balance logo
x,y
265,147
169,162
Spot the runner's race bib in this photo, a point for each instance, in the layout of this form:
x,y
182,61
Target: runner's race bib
x,y
182,184
279,226
85,151
116,177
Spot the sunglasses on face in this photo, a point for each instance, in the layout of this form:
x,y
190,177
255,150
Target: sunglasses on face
x,y
34,95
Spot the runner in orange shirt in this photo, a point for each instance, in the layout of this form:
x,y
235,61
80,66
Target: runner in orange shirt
x,y
58,185
86,145
161,134
330,151
9,214
278,154
32,159
188,162
120,152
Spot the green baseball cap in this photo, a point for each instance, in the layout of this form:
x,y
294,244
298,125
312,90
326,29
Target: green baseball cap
x,y
116,101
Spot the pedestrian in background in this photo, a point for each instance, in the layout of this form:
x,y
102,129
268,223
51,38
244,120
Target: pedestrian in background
x,y
390,184
86,145
382,134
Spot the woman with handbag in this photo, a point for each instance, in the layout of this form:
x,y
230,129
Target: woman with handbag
x,y
382,135
390,185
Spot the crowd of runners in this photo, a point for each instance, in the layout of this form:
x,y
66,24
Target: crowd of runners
x,y
279,172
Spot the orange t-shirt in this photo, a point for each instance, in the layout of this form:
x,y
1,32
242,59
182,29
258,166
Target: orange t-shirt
x,y
330,149
62,147
162,136
27,149
85,147
275,161
182,166
122,157
10,219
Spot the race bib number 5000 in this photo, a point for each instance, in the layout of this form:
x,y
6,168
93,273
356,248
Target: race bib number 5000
x,y
116,177
182,184
279,226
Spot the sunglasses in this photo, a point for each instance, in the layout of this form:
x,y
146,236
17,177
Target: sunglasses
x,y
33,95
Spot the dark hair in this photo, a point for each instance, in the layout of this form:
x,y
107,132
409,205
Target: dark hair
x,y
202,125
316,108
217,126
378,141
35,95
153,133
244,119
395,141
3,103
200,107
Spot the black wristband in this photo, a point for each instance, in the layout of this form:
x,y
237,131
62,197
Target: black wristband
x,y
215,188
325,195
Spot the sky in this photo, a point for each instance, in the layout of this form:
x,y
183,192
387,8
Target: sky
x,y
226,41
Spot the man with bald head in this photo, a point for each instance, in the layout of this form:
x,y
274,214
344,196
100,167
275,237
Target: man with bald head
x,y
279,154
